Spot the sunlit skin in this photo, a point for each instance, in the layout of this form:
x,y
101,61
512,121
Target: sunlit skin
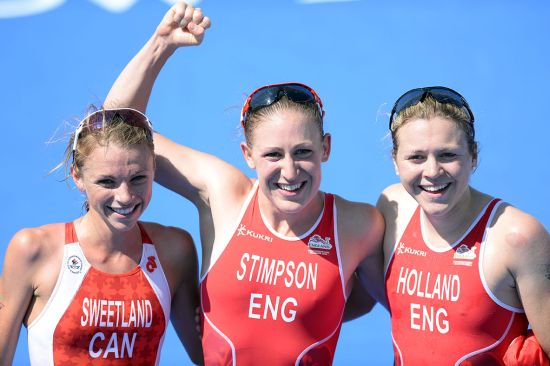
x,y
287,152
435,165
118,184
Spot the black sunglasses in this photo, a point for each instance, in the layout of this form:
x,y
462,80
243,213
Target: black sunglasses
x,y
104,117
269,94
439,93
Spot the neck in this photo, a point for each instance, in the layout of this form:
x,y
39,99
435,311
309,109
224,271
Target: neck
x,y
446,229
292,223
96,233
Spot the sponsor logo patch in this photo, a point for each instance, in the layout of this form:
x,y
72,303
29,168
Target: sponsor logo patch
x,y
464,255
403,249
151,263
74,264
318,245
243,231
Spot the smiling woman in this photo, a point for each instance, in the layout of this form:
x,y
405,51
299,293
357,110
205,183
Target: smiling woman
x,y
279,255
465,271
101,288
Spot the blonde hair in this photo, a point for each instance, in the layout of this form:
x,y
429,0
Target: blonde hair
x,y
114,130
430,108
310,110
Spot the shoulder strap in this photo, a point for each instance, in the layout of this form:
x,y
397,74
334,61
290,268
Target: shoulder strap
x,y
70,233
144,236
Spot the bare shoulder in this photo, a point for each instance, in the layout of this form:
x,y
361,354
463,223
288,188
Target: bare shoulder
x,y
173,242
359,222
519,231
396,199
31,246
33,260
176,251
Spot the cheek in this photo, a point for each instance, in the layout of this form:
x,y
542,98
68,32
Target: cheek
x,y
146,190
462,169
406,171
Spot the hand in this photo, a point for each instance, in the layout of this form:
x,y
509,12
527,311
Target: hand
x,y
183,25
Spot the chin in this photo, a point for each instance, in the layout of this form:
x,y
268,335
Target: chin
x,y
289,207
123,226
435,209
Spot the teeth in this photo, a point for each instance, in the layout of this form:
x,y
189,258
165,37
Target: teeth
x,y
123,211
289,187
434,188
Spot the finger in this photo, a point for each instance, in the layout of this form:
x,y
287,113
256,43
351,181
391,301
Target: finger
x,y
178,13
205,23
197,16
195,29
187,16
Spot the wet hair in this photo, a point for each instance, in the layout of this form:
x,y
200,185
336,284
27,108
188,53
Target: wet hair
x,y
254,119
113,131
430,108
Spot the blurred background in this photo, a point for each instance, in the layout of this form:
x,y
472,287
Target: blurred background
x,y
59,56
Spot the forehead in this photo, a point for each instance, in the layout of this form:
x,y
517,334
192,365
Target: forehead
x,y
113,158
436,132
286,123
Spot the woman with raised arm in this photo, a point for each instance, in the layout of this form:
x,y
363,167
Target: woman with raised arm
x,y
101,289
466,272
279,255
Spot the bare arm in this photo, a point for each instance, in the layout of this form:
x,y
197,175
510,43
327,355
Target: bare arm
x,y
16,291
531,268
359,301
185,302
362,229
181,26
195,175
177,254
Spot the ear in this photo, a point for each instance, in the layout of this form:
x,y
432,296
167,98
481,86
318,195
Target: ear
x,y
77,180
395,166
327,142
247,153
474,158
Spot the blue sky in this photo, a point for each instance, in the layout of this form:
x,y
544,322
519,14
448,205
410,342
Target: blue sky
x,y
358,55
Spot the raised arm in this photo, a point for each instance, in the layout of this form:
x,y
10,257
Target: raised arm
x,y
183,25
195,175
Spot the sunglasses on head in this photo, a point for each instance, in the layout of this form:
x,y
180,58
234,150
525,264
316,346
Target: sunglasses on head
x,y
269,94
104,117
439,93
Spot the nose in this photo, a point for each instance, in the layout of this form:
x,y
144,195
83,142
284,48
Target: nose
x,y
289,168
432,168
123,194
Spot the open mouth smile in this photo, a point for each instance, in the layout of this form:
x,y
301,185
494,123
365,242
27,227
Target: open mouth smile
x,y
290,187
124,211
440,188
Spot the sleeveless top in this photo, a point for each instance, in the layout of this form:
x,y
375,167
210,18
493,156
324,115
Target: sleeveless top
x,y
271,299
99,318
442,309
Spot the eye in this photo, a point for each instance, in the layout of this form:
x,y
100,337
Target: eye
x,y
448,156
106,182
273,155
303,153
416,158
138,179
